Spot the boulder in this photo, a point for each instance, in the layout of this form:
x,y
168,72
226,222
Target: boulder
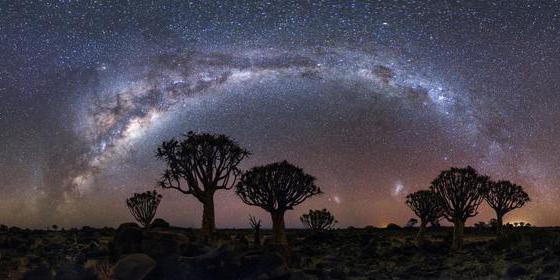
x,y
263,266
551,268
177,268
516,270
39,273
70,271
159,243
159,223
127,240
194,249
215,257
216,264
298,275
133,267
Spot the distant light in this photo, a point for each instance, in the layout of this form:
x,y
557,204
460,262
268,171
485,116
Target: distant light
x,y
398,189
336,199
385,23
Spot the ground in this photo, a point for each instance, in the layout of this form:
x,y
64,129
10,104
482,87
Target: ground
x,y
371,253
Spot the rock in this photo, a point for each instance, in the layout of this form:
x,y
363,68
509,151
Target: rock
x,y
551,268
86,234
133,267
549,258
193,249
331,259
338,272
258,265
370,248
159,223
516,270
74,271
159,243
216,264
280,272
215,257
177,268
545,277
513,254
39,273
127,240
298,275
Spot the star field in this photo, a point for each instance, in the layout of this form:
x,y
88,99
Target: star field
x,y
373,99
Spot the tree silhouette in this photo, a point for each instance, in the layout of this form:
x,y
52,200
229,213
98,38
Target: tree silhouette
x,y
503,197
318,220
480,226
199,165
425,204
143,206
276,188
256,226
493,224
460,192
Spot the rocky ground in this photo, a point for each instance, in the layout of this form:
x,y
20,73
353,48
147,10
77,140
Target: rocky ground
x,y
164,252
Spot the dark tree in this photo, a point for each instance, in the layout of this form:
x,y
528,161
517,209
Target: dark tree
x,y
435,224
460,192
480,226
276,188
425,204
256,225
143,206
199,165
318,220
503,197
493,224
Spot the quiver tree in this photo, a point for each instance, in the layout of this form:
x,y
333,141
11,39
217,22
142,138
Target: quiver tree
x,y
143,206
256,226
199,165
276,188
425,204
318,220
503,197
460,192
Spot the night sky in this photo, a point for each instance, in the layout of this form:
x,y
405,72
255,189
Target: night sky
x,y
372,99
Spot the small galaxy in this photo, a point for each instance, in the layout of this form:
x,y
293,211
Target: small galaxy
x,y
372,98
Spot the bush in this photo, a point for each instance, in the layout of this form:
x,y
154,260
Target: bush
x,y
318,220
527,240
393,226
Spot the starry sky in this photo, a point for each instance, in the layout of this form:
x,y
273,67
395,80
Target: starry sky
x,y
374,99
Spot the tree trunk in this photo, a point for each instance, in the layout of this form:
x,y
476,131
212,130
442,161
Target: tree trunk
x,y
257,240
279,228
208,221
458,228
421,230
499,224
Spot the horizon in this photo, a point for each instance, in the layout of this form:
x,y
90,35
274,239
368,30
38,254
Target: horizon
x,y
372,99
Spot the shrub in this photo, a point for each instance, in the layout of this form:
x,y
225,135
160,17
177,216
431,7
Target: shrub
x,y
318,220
393,226
143,206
